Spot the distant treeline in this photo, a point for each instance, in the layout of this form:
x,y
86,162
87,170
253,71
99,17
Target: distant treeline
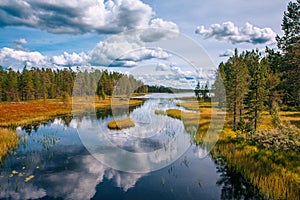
x,y
163,89
36,83
254,83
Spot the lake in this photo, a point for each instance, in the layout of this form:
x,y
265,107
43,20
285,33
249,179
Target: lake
x,y
78,157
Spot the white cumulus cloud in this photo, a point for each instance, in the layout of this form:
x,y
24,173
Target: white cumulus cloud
x,y
20,41
229,32
72,59
227,53
12,58
162,67
124,51
160,30
76,16
18,58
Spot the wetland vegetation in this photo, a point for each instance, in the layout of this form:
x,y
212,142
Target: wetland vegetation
x,y
260,104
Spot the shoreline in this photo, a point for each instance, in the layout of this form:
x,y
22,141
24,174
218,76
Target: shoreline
x,y
275,173
16,114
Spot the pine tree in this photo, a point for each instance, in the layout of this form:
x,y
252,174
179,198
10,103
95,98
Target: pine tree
x,y
273,84
197,91
11,86
236,85
289,43
27,90
258,92
3,77
218,86
37,84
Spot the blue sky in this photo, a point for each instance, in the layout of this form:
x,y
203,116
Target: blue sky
x,y
90,32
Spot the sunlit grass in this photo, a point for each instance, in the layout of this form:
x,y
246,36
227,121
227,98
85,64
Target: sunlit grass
x,y
15,114
22,113
292,117
121,124
195,105
8,140
275,173
197,123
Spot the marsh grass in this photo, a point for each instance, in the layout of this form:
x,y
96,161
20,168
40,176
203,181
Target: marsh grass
x,y
274,171
275,174
119,124
195,105
268,158
8,140
197,123
22,113
15,114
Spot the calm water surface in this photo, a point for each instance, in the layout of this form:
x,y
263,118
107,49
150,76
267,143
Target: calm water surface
x,y
61,167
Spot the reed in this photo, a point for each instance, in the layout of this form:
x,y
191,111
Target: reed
x,y
8,140
196,123
276,175
273,169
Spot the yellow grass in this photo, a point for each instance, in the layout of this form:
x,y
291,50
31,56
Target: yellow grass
x,y
13,114
8,140
195,105
276,174
293,117
199,121
121,124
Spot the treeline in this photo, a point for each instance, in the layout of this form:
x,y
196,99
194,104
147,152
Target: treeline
x,y
36,83
254,82
163,89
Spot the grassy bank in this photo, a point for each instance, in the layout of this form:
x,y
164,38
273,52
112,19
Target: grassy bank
x,y
198,121
275,173
269,159
119,124
15,114
8,140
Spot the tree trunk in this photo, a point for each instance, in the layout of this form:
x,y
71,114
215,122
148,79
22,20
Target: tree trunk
x,y
241,113
256,109
234,116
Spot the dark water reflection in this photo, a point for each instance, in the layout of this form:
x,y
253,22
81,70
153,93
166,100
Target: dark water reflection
x,y
63,169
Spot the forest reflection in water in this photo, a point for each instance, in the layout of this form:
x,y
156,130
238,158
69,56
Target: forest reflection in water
x,y
53,155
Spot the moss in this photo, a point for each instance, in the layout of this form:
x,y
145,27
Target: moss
x,y
121,124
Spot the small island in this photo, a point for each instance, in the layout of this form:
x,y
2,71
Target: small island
x,y
119,124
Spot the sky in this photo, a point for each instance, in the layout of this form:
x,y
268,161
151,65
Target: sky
x,y
173,41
